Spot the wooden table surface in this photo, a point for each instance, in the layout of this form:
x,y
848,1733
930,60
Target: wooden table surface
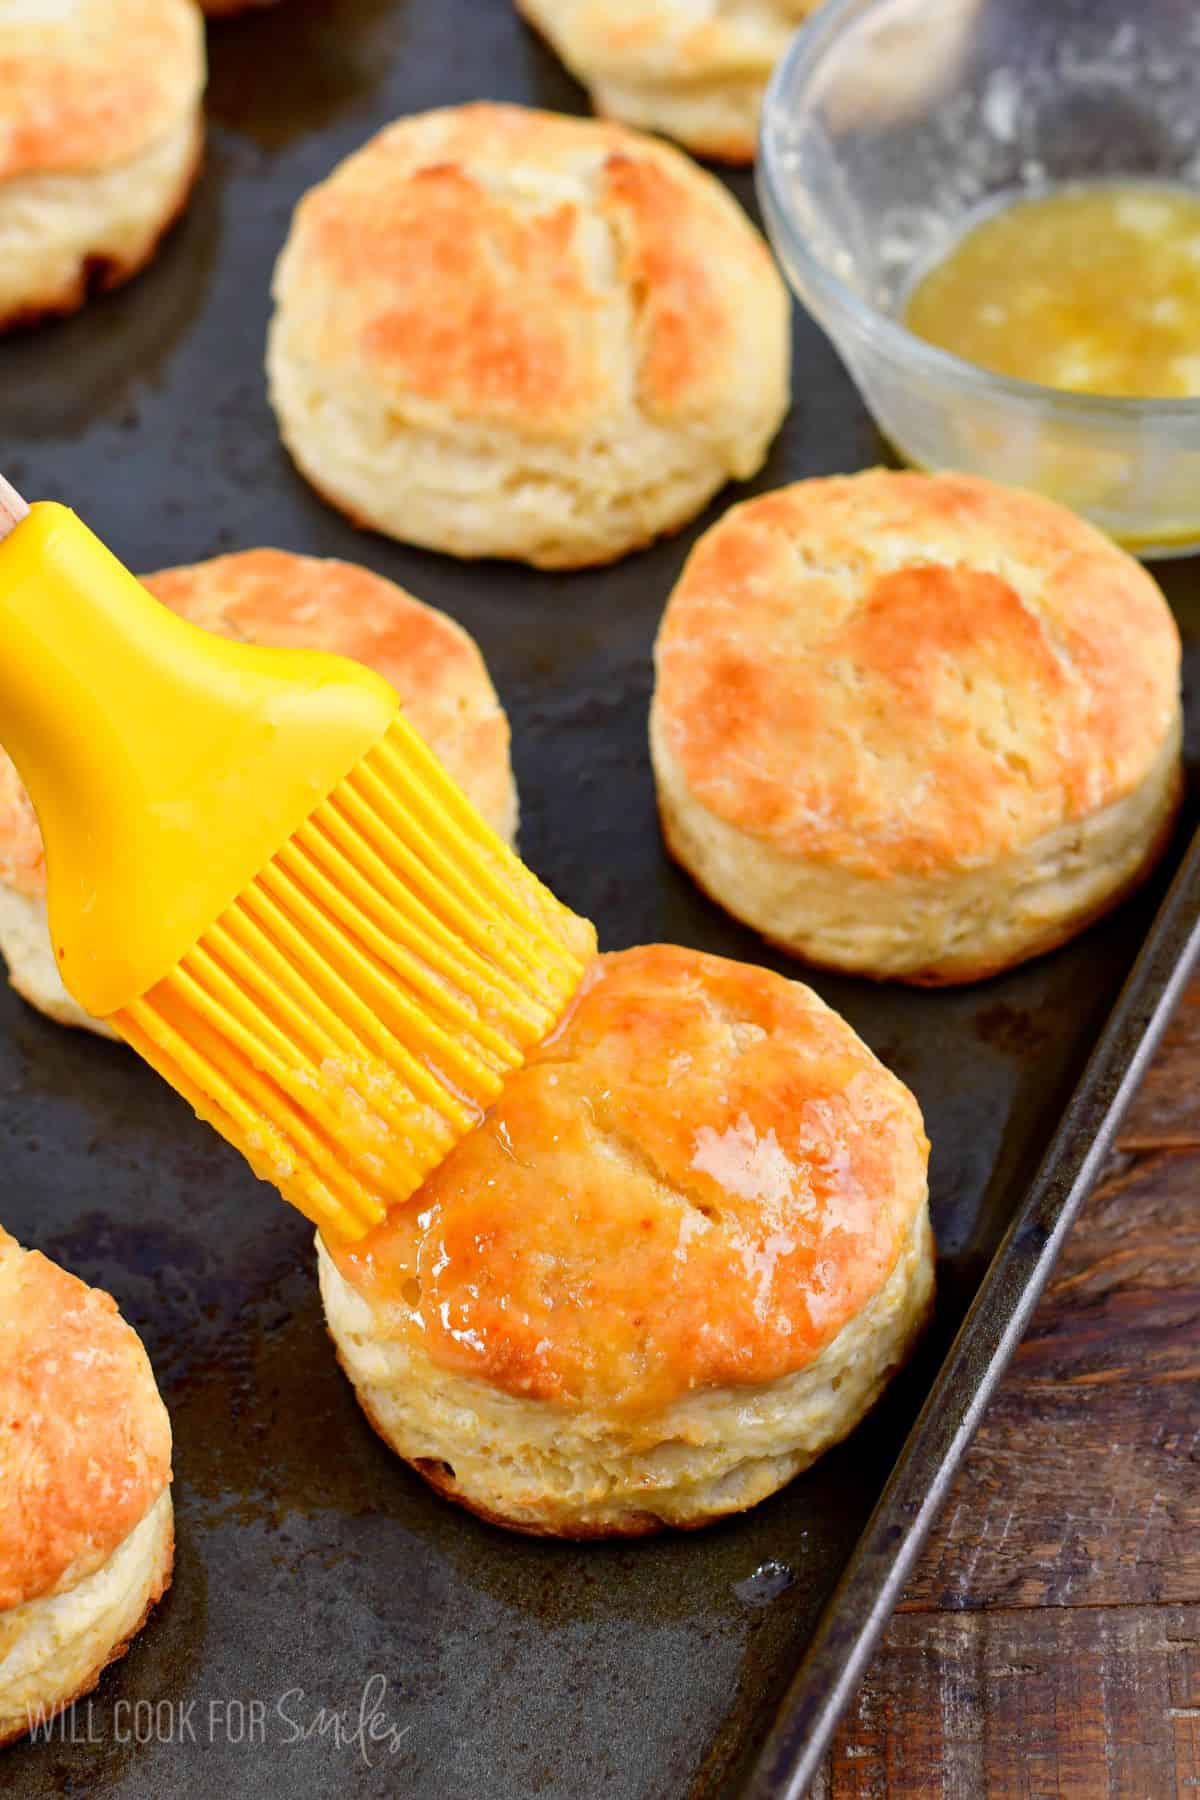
x,y
1049,1643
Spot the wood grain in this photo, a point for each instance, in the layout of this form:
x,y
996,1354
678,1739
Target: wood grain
x,y
1104,1704
1049,1642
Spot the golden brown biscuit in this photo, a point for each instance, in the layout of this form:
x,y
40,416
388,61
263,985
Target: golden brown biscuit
x,y
499,332
272,597
101,130
915,726
679,1258
86,1531
695,73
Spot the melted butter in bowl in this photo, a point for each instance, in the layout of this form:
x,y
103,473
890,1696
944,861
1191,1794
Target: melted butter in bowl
x,y
1093,288
1008,263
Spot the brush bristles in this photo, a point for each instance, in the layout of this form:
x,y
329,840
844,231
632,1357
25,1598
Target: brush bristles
x,y
348,1019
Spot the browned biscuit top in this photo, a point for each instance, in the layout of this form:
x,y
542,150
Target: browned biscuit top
x,y
528,271
85,84
912,674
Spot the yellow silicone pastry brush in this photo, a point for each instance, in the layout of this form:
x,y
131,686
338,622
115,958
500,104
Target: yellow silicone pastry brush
x,y
263,879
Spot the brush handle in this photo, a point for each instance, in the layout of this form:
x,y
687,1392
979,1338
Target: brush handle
x,y
12,508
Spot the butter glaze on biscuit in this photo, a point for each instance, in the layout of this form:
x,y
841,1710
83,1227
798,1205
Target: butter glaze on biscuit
x,y
86,1539
276,598
677,1260
500,332
915,726
101,131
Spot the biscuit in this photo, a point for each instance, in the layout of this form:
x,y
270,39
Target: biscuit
x,y
101,133
273,597
696,74
86,1526
499,332
678,1259
915,726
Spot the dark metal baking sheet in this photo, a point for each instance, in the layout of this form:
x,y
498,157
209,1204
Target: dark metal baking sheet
x,y
310,1562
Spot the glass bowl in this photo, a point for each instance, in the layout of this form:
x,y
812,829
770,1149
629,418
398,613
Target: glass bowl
x,y
889,126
